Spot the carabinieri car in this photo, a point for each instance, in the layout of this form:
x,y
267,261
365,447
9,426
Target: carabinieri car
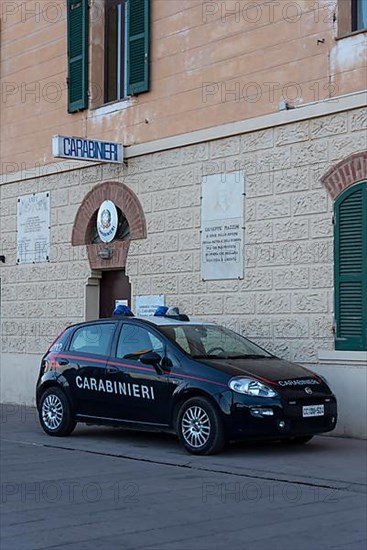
x,y
204,382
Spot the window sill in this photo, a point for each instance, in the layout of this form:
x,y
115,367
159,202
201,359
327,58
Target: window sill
x,y
351,33
328,356
109,108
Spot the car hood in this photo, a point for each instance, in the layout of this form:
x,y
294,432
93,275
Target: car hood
x,y
268,369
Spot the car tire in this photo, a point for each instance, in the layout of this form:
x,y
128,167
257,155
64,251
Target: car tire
x,y
298,440
55,413
199,427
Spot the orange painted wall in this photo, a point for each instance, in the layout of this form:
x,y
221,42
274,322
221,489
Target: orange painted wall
x,y
212,63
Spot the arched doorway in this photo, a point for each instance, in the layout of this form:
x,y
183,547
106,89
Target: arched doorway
x,y
108,284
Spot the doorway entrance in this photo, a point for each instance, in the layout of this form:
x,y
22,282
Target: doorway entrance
x,y
114,285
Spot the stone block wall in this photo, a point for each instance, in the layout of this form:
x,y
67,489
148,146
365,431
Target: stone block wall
x,y
284,302
38,300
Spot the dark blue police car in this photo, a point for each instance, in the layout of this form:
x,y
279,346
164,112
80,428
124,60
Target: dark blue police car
x,y
204,382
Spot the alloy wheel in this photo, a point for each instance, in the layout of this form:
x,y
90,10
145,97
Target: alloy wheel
x,y
52,412
196,427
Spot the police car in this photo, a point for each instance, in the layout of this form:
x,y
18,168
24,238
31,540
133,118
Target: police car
x,y
206,383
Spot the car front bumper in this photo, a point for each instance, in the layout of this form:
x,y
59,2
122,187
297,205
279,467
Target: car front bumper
x,y
254,418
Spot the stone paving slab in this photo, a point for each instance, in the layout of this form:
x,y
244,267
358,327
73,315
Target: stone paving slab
x,y
118,489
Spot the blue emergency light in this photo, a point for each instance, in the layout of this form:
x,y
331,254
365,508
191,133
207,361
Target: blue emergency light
x,y
161,311
122,311
170,313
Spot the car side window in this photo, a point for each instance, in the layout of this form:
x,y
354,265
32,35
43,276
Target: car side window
x,y
95,339
135,340
180,339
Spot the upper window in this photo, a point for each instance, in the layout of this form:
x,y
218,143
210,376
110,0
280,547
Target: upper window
x,y
125,69
359,15
94,339
78,17
114,50
126,58
352,16
351,269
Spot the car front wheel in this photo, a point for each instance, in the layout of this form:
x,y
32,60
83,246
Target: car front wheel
x,y
199,427
55,413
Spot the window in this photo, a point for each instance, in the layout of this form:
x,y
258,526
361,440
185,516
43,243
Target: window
x,y
122,69
114,49
77,44
359,15
126,48
351,269
135,341
94,339
352,16
213,341
178,335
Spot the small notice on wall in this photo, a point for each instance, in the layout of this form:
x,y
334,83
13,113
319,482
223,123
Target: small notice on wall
x,y
146,305
222,220
33,226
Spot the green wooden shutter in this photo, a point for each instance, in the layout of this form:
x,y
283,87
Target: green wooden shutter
x,y
138,27
351,269
77,55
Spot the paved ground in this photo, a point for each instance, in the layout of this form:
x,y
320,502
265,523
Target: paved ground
x,y
105,488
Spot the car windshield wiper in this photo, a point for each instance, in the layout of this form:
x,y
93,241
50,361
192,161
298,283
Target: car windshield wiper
x,y
248,356
243,356
209,356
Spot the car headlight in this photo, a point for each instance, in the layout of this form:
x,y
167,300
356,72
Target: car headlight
x,y
249,386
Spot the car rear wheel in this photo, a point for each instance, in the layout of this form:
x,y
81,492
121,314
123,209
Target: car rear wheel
x,y
55,413
199,427
298,440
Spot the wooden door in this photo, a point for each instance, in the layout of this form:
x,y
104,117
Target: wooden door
x,y
114,285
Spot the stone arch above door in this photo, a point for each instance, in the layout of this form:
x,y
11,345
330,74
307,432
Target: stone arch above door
x,y
350,170
125,199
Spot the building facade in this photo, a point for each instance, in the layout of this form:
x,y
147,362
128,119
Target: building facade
x,y
198,93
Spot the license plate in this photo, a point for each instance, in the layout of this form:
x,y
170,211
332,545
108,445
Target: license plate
x,y
313,410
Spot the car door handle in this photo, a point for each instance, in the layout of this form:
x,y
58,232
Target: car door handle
x,y
112,369
63,362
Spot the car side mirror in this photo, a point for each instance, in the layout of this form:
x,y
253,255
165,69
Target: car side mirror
x,y
166,364
150,358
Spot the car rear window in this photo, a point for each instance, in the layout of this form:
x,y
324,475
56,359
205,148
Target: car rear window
x,y
93,339
60,342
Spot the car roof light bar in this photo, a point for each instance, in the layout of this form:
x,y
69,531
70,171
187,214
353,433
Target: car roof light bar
x,y
170,313
122,311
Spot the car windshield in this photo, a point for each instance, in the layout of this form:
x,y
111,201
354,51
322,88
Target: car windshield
x,y
212,341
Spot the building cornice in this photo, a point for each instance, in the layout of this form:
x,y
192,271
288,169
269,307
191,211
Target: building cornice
x,y
298,114
280,118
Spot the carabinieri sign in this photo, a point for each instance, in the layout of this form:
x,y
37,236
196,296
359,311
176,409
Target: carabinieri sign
x,y
87,149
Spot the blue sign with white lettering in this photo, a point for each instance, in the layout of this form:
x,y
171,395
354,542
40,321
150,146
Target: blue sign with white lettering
x,y
87,149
